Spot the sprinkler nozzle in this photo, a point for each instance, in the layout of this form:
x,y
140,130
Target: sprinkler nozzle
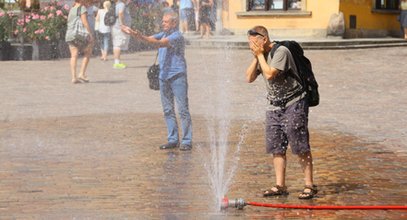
x,y
237,203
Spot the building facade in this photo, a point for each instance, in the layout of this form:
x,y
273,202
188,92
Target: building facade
x,y
310,18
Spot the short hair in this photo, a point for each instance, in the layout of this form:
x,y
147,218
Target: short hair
x,y
107,4
172,14
262,30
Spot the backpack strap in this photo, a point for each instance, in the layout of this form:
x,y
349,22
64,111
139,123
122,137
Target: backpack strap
x,y
78,11
274,48
156,58
276,45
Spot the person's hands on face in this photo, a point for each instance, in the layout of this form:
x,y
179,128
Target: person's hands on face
x,y
256,44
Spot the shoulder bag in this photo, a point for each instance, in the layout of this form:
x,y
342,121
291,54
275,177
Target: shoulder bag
x,y
152,75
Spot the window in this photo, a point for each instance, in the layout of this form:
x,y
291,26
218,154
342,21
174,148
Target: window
x,y
387,4
268,5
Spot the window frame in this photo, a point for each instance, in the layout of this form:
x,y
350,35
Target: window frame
x,y
267,3
377,7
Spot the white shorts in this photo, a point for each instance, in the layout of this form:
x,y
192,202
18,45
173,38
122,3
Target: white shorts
x,y
120,39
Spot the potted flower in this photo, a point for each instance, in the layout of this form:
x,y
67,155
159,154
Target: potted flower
x,y
5,30
44,28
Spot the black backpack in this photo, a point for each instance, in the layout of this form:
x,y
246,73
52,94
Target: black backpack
x,y
306,76
110,17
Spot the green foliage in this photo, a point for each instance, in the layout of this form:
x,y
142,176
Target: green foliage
x,y
5,25
144,19
48,23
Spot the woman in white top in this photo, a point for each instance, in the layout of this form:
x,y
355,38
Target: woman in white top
x,y
103,30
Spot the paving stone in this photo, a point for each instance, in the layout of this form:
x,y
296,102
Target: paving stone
x,y
90,151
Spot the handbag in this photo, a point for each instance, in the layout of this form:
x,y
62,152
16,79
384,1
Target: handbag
x,y
152,75
79,31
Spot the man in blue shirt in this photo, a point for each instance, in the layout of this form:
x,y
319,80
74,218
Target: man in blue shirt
x,y
173,78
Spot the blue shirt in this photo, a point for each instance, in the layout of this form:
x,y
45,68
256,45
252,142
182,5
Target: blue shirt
x,y
186,4
171,59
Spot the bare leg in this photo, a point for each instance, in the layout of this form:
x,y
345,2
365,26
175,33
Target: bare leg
x,y
74,58
104,55
116,53
307,166
310,189
184,26
85,61
280,162
405,33
202,27
208,30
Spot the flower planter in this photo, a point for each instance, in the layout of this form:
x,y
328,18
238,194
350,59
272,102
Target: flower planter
x,y
63,49
21,52
44,50
5,50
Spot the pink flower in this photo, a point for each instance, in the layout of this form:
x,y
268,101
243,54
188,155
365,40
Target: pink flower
x,y
59,12
50,15
66,7
35,16
16,32
1,14
42,17
46,37
20,22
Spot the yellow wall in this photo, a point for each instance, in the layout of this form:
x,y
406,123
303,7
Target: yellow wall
x,y
311,25
321,10
365,18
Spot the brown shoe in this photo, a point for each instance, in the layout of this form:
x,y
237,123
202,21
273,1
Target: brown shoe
x,y
276,191
309,192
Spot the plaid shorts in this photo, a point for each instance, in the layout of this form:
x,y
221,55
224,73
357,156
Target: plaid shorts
x,y
288,126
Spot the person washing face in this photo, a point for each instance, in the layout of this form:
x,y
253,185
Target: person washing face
x,y
287,112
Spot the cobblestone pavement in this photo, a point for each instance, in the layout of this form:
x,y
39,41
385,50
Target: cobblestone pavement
x,y
90,151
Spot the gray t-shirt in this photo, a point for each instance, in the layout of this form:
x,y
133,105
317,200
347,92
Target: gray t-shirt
x,y
121,7
73,13
283,86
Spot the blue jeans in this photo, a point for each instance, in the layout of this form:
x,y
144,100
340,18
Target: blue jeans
x,y
104,39
176,87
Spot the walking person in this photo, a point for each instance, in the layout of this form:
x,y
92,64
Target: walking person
x,y
205,8
103,30
173,79
119,38
187,18
287,112
74,46
403,17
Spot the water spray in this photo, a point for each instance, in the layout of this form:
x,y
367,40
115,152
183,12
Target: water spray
x,y
240,204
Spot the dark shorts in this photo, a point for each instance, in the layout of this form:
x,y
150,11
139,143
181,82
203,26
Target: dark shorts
x,y
79,44
288,126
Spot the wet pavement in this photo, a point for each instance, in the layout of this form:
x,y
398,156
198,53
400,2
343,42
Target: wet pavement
x,y
90,151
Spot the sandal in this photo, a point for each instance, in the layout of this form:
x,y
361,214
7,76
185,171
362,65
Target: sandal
x,y
276,191
309,192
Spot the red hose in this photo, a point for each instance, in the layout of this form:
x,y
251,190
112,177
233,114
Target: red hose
x,y
330,207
